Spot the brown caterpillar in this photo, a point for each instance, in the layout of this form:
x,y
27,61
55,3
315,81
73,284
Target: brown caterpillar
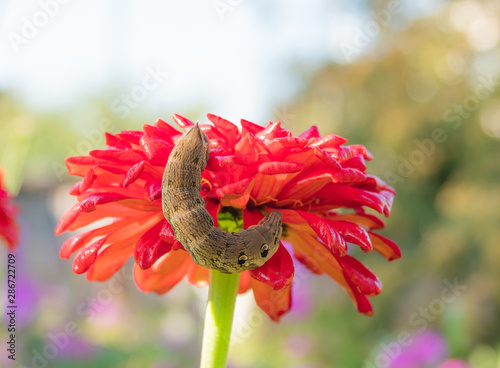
x,y
184,208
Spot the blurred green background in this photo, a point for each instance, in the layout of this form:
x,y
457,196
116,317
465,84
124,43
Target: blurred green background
x,y
417,84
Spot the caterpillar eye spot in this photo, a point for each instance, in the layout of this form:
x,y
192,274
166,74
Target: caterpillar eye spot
x,y
264,250
242,259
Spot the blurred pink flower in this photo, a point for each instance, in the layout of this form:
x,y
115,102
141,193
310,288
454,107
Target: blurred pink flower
x,y
426,349
454,363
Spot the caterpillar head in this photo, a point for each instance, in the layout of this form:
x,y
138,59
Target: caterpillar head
x,y
251,248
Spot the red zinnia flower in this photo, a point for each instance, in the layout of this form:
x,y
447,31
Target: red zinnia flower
x,y
9,230
308,179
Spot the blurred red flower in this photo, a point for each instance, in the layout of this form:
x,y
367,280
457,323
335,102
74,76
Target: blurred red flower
x,y
9,229
309,179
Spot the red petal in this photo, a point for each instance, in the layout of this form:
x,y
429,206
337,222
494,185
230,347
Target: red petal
x,y
218,144
75,189
236,194
274,303
328,235
90,203
74,218
117,142
80,165
74,243
319,226
278,271
271,131
301,190
156,150
306,261
79,240
251,150
362,302
348,176
321,259
353,233
198,276
9,232
87,205
151,246
101,175
158,133
213,208
273,168
230,130
377,184
87,256
244,284
367,282
142,170
231,170
182,121
167,233
267,187
88,180
330,141
133,174
111,259
318,256
280,147
367,220
164,274
356,150
127,156
251,217
311,132
344,196
167,128
9,229
153,188
213,133
249,127
131,136
355,163
385,246
327,158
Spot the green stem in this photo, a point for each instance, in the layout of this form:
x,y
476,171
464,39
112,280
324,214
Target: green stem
x,y
219,319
